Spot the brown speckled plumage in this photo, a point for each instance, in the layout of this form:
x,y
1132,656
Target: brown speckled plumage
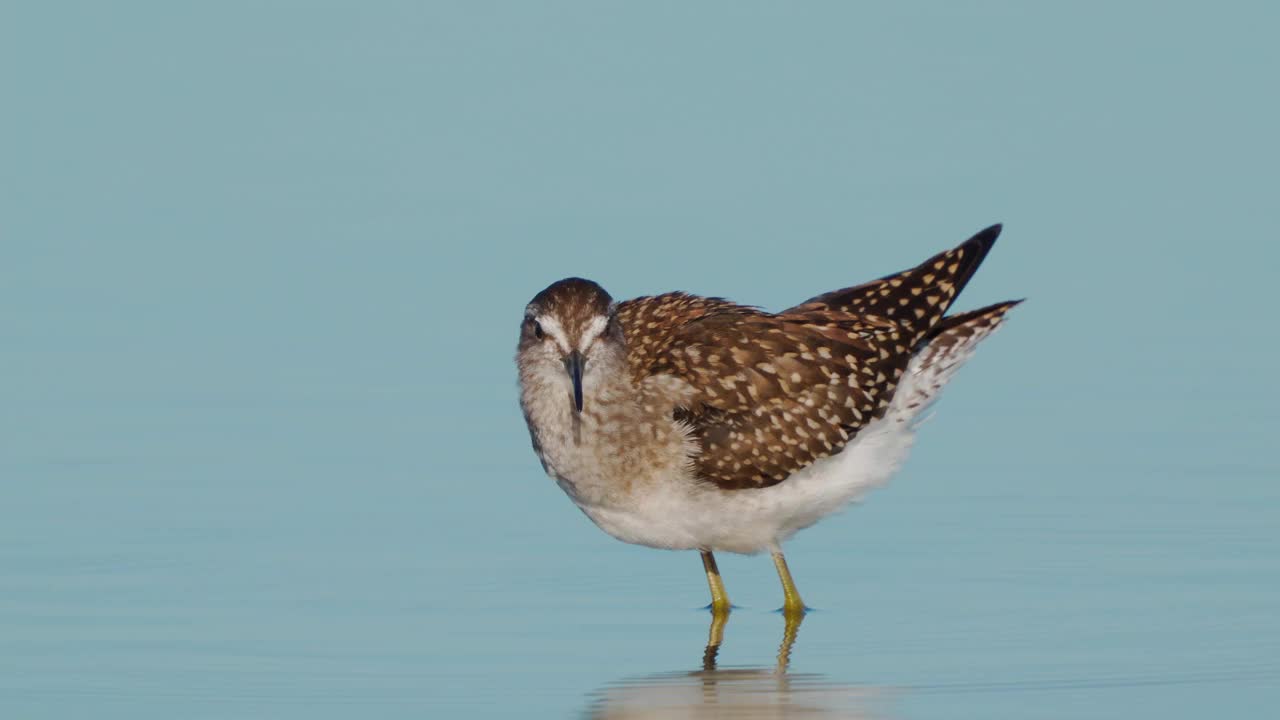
x,y
694,423
774,392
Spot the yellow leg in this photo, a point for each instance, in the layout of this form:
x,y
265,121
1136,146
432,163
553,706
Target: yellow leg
x,y
792,604
719,598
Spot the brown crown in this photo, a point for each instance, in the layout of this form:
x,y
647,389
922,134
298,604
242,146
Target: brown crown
x,y
573,301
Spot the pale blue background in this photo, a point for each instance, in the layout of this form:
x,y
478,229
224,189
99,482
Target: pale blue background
x,y
262,266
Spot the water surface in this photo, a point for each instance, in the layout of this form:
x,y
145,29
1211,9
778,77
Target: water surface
x,y
262,269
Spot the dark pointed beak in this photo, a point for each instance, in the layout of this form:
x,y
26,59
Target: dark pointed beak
x,y
573,364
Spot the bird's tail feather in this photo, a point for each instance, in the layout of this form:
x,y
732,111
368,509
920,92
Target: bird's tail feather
x,y
947,346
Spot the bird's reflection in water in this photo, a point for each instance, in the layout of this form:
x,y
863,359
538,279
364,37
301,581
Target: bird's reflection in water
x,y
739,692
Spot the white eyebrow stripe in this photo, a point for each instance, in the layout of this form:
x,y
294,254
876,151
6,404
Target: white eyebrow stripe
x,y
552,327
593,331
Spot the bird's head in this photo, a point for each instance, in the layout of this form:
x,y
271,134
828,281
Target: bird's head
x,y
571,332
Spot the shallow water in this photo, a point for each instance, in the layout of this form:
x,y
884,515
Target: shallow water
x,y
262,269
328,586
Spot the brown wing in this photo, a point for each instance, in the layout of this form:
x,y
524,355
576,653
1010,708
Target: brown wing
x,y
917,298
771,393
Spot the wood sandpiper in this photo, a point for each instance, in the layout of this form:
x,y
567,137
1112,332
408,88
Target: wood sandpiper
x,y
694,423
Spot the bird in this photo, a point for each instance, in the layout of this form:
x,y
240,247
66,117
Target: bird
x,y
683,422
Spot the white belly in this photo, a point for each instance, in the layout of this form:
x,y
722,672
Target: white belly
x,y
684,516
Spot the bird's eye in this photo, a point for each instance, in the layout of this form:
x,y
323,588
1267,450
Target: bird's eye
x,y
537,329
